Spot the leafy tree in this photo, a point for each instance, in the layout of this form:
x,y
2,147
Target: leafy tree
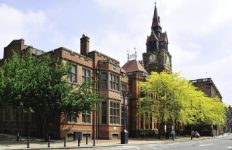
x,y
170,97
39,84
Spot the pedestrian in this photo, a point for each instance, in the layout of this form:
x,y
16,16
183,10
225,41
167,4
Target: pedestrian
x,y
197,135
173,134
192,134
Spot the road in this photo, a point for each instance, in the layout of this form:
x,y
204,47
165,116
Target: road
x,y
222,143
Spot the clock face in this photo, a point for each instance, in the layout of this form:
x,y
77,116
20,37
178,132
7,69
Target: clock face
x,y
152,58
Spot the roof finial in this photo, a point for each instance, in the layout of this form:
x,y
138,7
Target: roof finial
x,y
135,53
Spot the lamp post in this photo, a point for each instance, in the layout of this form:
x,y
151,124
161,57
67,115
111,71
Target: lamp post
x,y
124,132
93,135
191,123
173,118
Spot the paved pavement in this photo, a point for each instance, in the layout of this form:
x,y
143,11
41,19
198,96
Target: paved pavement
x,y
9,142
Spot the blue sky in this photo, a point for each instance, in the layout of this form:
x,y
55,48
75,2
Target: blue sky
x,y
199,31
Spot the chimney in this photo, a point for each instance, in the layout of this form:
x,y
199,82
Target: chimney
x,y
84,45
15,45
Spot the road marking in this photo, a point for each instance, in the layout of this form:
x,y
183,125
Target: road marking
x,y
206,144
229,147
125,147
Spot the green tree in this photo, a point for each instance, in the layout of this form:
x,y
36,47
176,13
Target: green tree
x,y
172,98
39,84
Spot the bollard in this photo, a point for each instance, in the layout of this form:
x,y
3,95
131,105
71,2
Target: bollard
x,y
79,141
17,137
93,142
28,142
48,141
65,140
86,139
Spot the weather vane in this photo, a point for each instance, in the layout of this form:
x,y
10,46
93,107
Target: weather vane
x,y
132,56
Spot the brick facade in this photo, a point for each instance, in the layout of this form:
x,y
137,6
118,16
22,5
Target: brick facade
x,y
97,63
103,68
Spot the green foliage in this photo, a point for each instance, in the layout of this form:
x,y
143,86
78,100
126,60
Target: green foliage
x,y
38,83
171,97
81,98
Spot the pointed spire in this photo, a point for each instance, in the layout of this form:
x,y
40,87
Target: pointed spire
x,y
156,19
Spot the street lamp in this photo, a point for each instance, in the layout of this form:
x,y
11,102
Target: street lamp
x,y
191,123
124,132
174,117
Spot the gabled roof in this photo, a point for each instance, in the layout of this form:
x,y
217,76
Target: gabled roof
x,y
133,66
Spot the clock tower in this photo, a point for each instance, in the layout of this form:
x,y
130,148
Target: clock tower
x,y
157,57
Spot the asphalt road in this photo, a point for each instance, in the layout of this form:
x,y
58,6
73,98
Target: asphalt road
x,y
219,143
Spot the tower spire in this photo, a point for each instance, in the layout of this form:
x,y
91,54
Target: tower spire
x,y
156,19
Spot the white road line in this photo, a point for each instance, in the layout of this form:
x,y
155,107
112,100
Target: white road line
x,y
229,147
125,147
206,144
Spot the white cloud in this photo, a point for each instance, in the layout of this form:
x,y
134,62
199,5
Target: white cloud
x,y
16,24
199,32
191,26
11,24
33,26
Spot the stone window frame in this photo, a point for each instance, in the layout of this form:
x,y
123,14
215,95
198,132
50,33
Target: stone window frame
x,y
114,112
104,80
72,118
86,73
86,117
72,73
114,81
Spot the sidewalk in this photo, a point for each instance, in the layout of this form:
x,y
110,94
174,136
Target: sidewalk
x,y
9,142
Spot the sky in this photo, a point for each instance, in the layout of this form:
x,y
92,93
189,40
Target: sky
x,y
199,31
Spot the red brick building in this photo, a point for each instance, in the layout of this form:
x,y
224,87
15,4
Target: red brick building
x,y
112,79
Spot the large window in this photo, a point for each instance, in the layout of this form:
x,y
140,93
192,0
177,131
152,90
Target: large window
x,y
85,74
86,117
72,118
104,113
103,78
114,82
114,112
72,74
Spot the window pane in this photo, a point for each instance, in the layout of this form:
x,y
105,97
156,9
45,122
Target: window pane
x,y
104,112
114,112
